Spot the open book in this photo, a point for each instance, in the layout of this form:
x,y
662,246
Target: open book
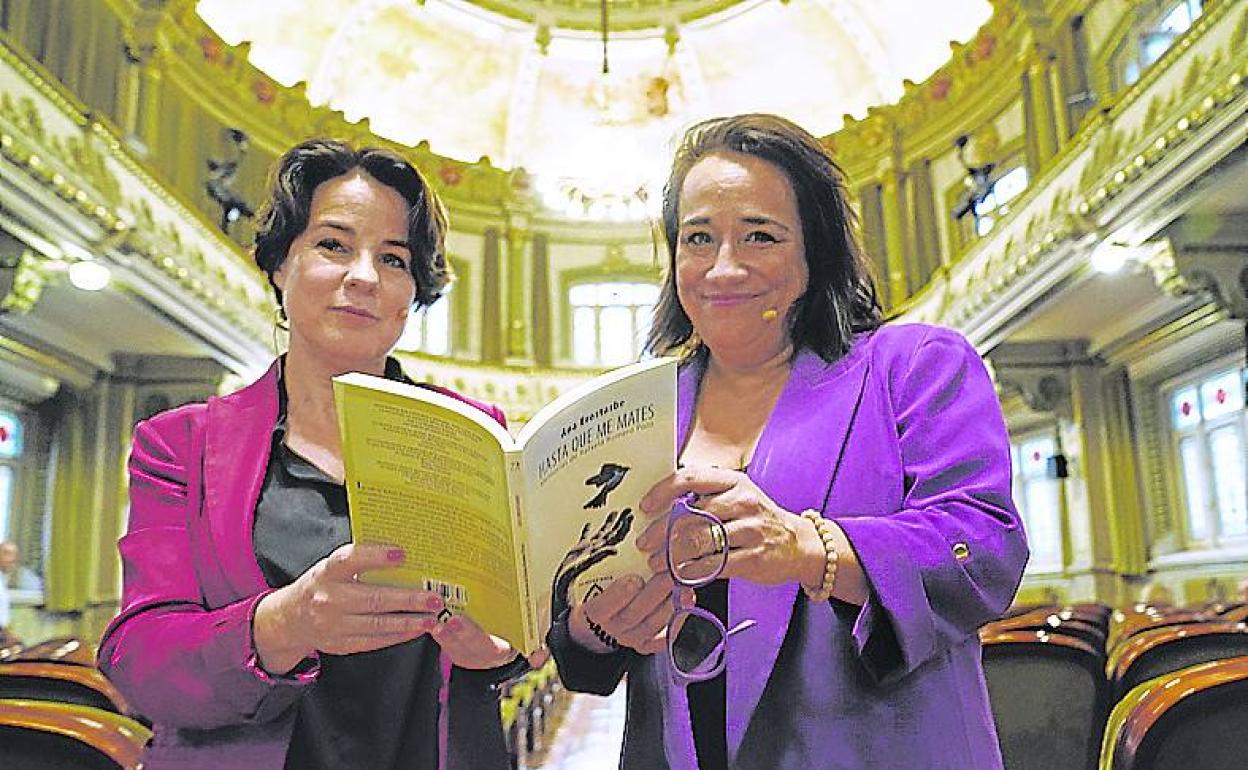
x,y
505,530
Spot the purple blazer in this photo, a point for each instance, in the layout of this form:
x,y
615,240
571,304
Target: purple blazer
x,y
181,648
903,444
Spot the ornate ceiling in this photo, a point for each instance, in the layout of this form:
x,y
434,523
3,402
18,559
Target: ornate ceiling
x,y
521,81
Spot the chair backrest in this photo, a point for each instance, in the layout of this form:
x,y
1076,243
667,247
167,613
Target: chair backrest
x,y
1049,698
60,682
1192,719
1069,621
38,735
61,649
1149,654
1126,623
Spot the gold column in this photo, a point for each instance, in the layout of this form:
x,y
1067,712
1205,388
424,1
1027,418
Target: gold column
x,y
1121,470
518,239
66,573
539,300
894,231
871,211
491,299
1041,112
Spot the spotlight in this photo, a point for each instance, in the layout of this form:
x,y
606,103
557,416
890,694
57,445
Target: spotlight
x,y
89,275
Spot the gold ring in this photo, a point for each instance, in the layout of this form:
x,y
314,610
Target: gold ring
x,y
719,538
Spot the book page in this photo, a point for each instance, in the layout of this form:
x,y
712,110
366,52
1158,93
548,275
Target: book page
x,y
588,460
432,480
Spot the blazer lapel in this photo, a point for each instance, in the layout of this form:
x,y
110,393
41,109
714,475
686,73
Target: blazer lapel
x,y
795,464
236,453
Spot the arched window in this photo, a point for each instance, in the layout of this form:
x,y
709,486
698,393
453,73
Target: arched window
x,y
1208,424
610,321
429,329
1038,495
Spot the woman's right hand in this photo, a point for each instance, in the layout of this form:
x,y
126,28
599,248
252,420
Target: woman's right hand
x,y
633,611
327,609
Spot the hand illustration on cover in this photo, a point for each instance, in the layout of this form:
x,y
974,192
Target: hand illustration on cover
x,y
590,549
606,480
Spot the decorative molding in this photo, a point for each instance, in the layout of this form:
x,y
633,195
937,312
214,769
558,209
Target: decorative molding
x,y
519,391
1195,94
22,278
78,174
1040,373
1217,272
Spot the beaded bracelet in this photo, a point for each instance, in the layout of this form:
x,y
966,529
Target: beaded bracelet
x,y
823,528
601,635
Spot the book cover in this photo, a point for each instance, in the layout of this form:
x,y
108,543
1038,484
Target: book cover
x,y
508,531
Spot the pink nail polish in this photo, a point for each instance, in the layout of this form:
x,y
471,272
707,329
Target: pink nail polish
x,y
394,554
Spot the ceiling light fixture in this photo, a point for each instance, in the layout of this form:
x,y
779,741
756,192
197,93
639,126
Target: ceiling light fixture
x,y
1109,258
89,275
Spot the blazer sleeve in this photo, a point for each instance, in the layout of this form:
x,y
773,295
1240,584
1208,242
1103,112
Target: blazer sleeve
x,y
952,557
178,661
581,670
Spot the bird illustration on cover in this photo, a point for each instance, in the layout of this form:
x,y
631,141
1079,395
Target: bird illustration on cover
x,y
607,479
593,545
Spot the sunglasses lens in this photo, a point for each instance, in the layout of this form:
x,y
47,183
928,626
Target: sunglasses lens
x,y
698,646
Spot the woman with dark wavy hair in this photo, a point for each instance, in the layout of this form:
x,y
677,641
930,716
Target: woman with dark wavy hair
x,y
841,523
244,634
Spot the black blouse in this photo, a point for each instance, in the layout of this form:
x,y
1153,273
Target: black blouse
x,y
367,710
375,709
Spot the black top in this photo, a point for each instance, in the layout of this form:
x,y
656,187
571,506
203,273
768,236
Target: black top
x,y
375,709
708,709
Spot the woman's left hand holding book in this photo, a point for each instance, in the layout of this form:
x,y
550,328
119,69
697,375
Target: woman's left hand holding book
x,y
327,609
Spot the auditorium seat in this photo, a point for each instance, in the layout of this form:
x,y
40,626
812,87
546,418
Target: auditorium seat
x,y
1125,623
1049,698
39,735
62,649
1236,613
1070,621
10,645
61,682
1192,719
1150,653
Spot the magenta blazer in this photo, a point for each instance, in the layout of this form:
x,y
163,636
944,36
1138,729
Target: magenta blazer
x,y
181,648
903,444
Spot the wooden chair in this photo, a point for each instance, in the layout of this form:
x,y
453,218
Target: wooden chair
x,y
39,735
62,649
1124,623
1237,613
1067,621
10,645
1049,698
1192,719
1148,654
60,682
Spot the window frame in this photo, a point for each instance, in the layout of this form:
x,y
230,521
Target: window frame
x,y
1177,478
1018,487
570,312
1132,46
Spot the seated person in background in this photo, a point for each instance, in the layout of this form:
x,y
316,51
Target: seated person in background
x,y
244,634
862,473
16,575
